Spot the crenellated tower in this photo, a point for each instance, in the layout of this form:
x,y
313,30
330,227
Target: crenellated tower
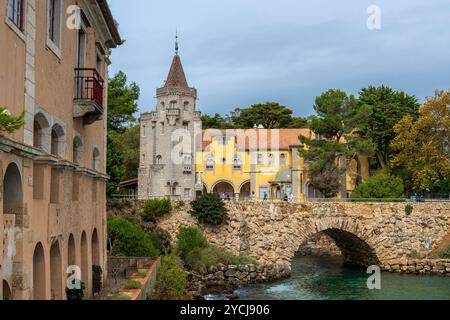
x,y
167,164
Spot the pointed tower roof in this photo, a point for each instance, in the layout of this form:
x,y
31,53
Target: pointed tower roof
x,y
176,77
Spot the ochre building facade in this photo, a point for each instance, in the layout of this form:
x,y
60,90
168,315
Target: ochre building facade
x,y
53,68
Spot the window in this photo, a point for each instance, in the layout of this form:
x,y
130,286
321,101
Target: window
x,y
173,104
54,22
162,128
96,159
271,160
210,164
186,106
99,59
260,159
163,106
158,160
282,160
187,193
77,150
237,163
144,131
57,143
16,14
223,140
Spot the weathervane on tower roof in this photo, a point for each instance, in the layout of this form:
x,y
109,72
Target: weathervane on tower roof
x,y
176,42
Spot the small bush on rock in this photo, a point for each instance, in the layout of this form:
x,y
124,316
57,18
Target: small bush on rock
x,y
156,208
190,239
209,209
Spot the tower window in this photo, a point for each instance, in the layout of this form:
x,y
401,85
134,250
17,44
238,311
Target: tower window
x,y
173,104
282,160
186,106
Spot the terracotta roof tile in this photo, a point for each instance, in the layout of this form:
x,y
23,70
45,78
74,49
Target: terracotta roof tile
x,y
176,77
272,139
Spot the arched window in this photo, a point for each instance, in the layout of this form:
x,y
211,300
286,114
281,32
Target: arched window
x,y
186,106
173,104
271,160
210,163
163,106
57,142
158,160
96,159
40,131
77,150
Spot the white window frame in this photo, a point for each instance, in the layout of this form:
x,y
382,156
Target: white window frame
x,y
55,47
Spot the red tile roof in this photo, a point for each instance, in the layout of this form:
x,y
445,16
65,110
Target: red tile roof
x,y
176,77
263,139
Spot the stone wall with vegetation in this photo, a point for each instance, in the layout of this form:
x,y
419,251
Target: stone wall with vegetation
x,y
225,279
273,234
425,266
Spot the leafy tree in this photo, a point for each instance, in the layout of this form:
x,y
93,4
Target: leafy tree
x,y
384,108
8,122
215,122
122,153
128,144
209,209
188,240
380,186
129,240
122,101
422,146
298,122
271,115
115,167
335,124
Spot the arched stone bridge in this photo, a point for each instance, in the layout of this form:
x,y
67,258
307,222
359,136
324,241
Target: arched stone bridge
x,y
367,233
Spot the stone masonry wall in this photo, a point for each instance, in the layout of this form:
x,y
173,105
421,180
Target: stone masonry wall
x,y
224,279
272,234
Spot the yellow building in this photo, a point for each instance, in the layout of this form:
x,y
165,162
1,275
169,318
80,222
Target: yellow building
x,y
261,163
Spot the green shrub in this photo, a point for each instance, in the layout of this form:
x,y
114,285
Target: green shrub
x,y
409,210
442,253
129,240
201,259
96,279
76,294
380,186
171,280
190,239
209,209
141,274
132,285
156,208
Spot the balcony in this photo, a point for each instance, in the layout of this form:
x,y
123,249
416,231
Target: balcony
x,y
89,95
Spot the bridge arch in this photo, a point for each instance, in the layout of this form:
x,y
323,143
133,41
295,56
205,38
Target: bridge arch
x,y
359,246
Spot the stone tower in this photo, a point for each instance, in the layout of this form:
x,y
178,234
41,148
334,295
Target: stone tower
x,y
167,165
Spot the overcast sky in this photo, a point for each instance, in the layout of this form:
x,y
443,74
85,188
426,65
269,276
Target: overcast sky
x,y
242,52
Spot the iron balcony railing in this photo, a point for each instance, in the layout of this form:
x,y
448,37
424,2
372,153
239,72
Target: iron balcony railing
x,y
89,86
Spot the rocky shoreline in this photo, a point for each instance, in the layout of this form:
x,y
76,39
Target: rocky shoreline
x,y
226,279
421,267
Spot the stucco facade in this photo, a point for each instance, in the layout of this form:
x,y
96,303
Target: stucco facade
x,y
53,174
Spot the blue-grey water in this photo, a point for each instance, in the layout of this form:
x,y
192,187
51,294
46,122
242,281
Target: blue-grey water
x,y
319,278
